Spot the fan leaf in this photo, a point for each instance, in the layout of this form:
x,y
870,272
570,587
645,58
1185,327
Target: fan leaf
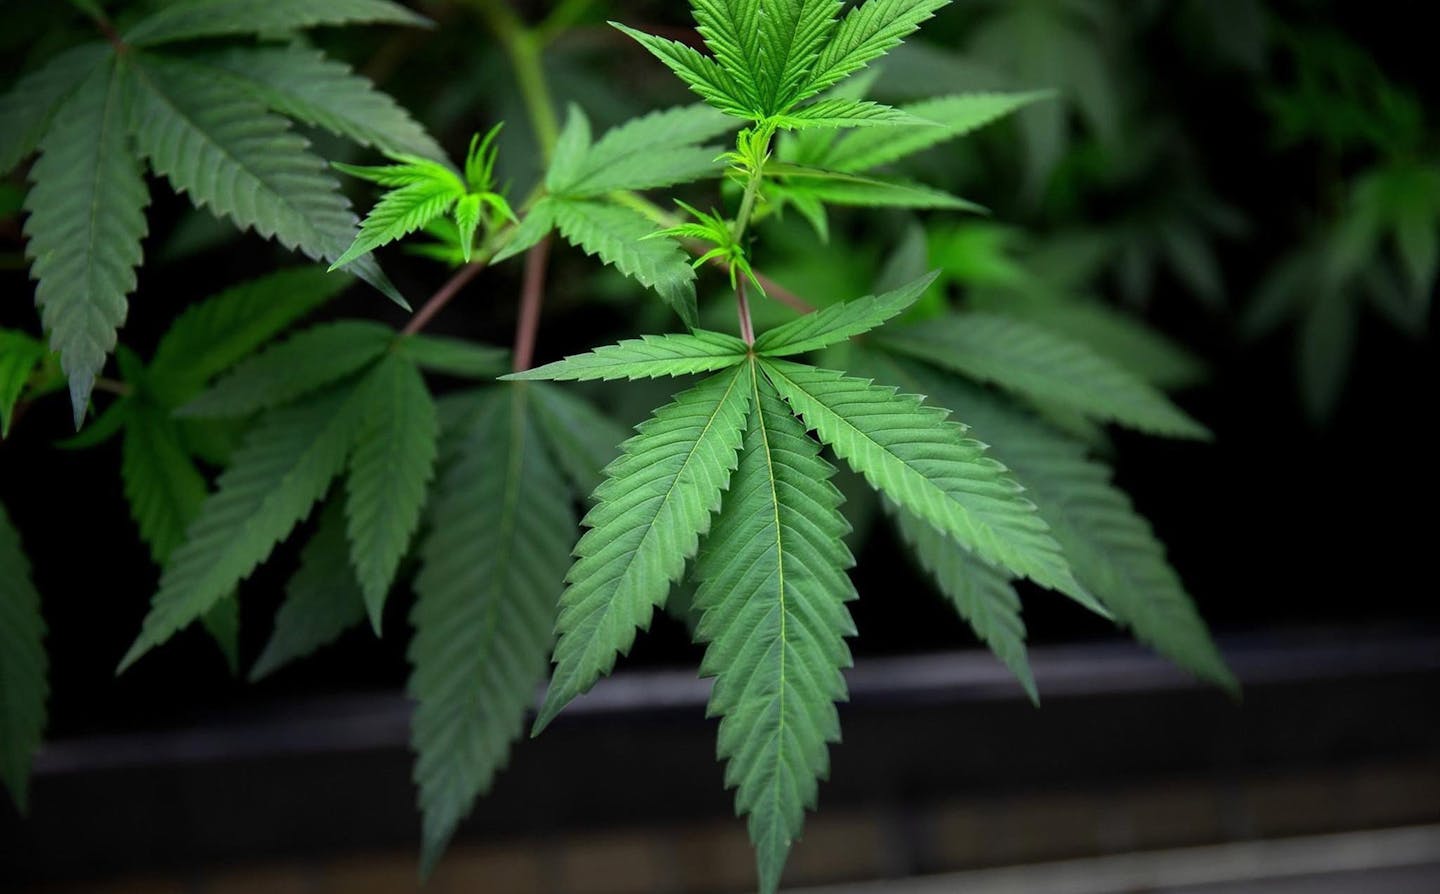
x,y
773,597
655,503
493,568
646,357
86,223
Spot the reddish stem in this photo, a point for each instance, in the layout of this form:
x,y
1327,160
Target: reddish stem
x,y
532,297
784,295
443,297
747,327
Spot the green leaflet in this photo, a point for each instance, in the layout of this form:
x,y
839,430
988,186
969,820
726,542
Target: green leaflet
x,y
86,223
771,55
868,31
162,485
646,357
213,335
284,467
872,193
839,322
949,117
701,73
493,566
659,149
23,666
402,211
322,599
623,239
649,515
773,597
300,365
32,102
981,595
909,452
302,83
1027,359
537,223
19,354
1111,547
229,154
392,464
218,18
453,356
583,439
836,113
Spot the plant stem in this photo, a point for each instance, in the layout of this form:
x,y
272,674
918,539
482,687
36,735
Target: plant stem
x,y
532,297
111,386
561,19
747,205
524,47
445,295
742,306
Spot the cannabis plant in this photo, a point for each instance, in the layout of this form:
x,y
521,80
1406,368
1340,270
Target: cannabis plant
x,y
973,423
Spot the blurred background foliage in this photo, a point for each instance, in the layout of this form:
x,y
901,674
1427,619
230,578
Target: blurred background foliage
x,y
1231,197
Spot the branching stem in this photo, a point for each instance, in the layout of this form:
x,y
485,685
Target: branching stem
x,y
532,297
445,295
742,306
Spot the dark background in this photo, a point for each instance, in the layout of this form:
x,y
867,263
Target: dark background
x,y
1281,526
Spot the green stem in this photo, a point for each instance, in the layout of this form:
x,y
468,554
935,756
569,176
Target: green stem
x,y
524,47
561,19
747,204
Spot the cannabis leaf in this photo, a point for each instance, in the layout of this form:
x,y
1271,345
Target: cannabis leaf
x,y
302,83
1111,547
201,121
909,452
773,597
393,460
1039,364
647,357
424,191
982,595
838,322
322,598
493,567
770,56
87,219
218,18
284,467
649,515
300,365
19,354
23,667
372,415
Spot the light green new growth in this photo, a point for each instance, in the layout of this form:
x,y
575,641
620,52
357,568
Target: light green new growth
x,y
422,191
650,513
773,592
23,667
646,357
493,567
1039,364
322,599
